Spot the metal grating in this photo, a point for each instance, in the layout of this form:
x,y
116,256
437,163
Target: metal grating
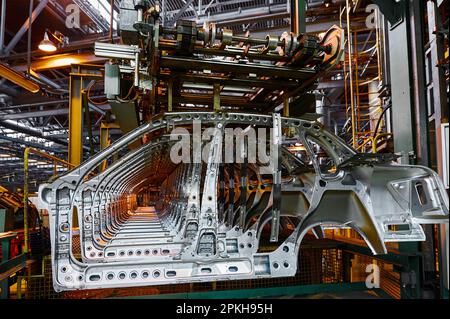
x,y
317,266
38,286
389,279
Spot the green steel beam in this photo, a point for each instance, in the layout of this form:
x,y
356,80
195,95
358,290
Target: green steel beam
x,y
381,293
400,259
7,265
262,292
298,16
414,269
2,220
5,248
11,263
409,260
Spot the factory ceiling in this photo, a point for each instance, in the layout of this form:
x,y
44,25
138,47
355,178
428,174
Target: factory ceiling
x,y
47,111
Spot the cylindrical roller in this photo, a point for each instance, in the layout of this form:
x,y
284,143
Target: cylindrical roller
x,y
206,33
271,44
227,37
289,45
213,34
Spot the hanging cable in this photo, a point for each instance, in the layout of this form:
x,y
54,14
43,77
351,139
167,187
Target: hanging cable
x,y
120,99
124,100
89,95
30,19
380,118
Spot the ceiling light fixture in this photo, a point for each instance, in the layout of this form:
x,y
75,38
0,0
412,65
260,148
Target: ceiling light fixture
x,y
46,45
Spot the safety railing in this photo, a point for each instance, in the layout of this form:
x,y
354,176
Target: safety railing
x,y
372,142
362,72
55,160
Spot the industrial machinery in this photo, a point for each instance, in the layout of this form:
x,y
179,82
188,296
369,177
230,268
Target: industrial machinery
x,y
199,192
170,65
13,204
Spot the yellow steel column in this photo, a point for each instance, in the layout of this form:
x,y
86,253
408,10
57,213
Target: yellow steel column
x,y
25,200
289,130
79,78
105,140
170,95
350,66
286,105
358,106
75,120
216,96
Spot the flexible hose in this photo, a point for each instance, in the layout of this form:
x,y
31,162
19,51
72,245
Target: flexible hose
x,y
379,120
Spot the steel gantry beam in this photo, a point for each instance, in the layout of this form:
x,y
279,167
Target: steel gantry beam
x,y
438,114
402,96
25,143
80,77
61,61
93,14
11,45
220,16
247,15
181,11
102,109
27,115
29,131
2,26
410,114
438,104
